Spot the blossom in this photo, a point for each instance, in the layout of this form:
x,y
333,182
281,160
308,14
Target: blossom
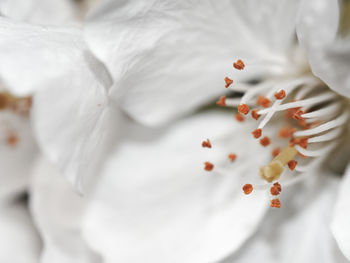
x,y
179,52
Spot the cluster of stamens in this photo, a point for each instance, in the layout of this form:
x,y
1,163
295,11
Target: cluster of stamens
x,y
314,118
17,105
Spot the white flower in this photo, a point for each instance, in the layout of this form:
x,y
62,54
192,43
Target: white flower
x,y
168,58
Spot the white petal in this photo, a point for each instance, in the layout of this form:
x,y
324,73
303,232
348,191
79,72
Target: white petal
x,y
341,218
19,241
168,58
328,53
16,161
155,203
299,231
72,116
45,12
57,212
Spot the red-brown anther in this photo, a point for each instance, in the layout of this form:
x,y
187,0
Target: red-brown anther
x,y
280,95
265,141
292,164
232,157
243,108
257,133
255,114
239,117
303,142
290,112
206,144
12,140
274,190
239,64
247,189
263,101
276,151
278,186
275,203
222,101
297,115
208,166
228,82
286,132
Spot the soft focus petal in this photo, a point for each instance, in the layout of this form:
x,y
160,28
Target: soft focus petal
x,y
327,51
16,160
57,211
155,203
341,218
72,116
169,57
299,231
45,12
19,240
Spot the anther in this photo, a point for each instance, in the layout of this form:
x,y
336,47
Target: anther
x,y
221,101
208,166
228,82
12,139
276,151
286,132
239,64
275,203
263,101
239,117
255,114
243,108
232,157
206,144
297,115
280,95
265,141
247,189
257,133
292,164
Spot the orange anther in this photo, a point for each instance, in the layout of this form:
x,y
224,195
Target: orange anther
x,y
297,115
12,139
292,164
257,133
232,157
263,101
286,132
239,117
275,203
238,64
278,186
206,144
247,189
243,108
221,101
208,166
265,141
280,95
303,142
255,114
276,151
228,82
274,190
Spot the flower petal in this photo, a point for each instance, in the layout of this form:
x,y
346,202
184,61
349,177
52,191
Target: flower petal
x,y
19,241
327,51
155,203
57,211
45,12
340,224
72,116
299,231
168,58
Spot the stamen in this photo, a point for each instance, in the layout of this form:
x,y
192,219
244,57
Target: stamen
x,y
238,64
255,114
228,82
232,157
276,151
276,189
265,141
208,166
280,95
247,189
275,203
286,132
263,101
239,117
292,164
206,144
12,139
257,133
243,108
222,101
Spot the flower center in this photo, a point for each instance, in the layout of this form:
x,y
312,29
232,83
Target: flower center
x,y
310,116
